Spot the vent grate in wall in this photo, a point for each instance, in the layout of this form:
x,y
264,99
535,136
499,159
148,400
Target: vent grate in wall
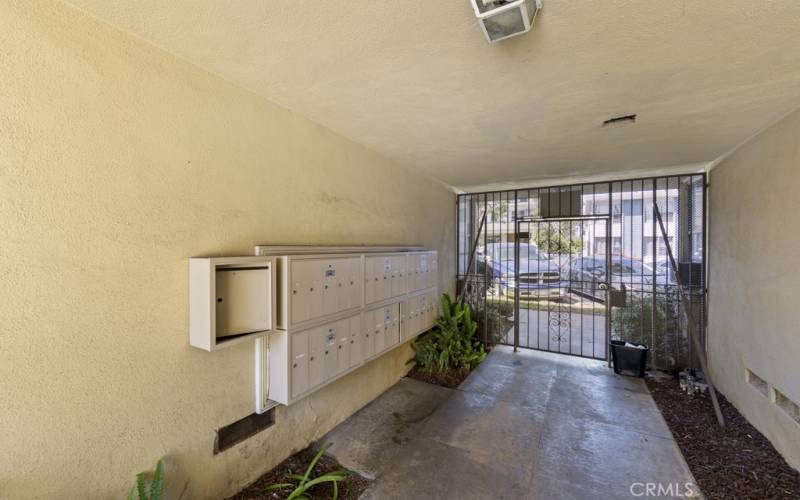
x,y
242,429
787,405
759,383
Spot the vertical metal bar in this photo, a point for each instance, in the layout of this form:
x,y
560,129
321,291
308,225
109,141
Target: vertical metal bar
x,y
517,226
569,276
609,237
654,288
528,304
472,251
690,321
485,285
704,284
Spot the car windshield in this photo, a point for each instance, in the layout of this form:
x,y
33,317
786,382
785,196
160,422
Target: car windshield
x,y
629,266
505,252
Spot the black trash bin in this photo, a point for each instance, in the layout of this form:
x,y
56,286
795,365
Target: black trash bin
x,y
629,360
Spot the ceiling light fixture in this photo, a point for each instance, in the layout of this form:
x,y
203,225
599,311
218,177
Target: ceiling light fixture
x,y
501,19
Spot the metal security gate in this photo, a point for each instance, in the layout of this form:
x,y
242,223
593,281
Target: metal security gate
x,y
560,287
596,230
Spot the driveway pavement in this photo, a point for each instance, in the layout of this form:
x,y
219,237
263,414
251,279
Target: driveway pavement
x,y
530,425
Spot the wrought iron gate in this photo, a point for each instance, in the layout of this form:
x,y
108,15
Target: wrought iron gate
x,y
560,285
605,229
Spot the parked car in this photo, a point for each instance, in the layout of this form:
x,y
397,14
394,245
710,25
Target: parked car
x,y
539,275
586,274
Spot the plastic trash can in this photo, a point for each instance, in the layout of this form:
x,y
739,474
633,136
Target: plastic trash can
x,y
629,360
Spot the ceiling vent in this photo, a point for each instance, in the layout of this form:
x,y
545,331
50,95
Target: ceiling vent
x,y
501,19
619,120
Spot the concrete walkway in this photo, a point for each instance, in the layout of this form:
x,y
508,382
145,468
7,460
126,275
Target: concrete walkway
x,y
529,425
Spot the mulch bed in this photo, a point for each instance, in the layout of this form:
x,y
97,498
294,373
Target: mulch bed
x,y
349,489
736,462
450,379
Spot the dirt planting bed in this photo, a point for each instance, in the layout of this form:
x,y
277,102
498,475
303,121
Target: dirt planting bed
x,y
451,379
736,462
349,489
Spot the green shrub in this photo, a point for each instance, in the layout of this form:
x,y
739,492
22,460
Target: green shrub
x,y
665,337
493,322
152,491
451,346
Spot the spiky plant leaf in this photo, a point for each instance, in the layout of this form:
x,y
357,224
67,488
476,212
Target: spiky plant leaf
x,y
157,486
140,486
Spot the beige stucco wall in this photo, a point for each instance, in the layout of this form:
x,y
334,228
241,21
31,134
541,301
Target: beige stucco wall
x,y
754,297
117,163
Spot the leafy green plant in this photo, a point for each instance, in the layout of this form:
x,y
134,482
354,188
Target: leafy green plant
x,y
152,491
659,328
558,239
493,320
451,346
305,482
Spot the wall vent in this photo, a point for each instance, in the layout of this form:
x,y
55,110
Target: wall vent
x,y
242,429
787,405
759,383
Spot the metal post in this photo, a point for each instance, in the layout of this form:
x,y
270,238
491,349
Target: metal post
x,y
472,255
516,284
690,320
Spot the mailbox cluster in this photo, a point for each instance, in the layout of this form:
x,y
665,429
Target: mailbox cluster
x,y
335,312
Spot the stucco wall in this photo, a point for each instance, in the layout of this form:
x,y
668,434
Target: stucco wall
x,y
117,163
754,297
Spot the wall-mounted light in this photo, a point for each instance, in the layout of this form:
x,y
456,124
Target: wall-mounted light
x,y
501,19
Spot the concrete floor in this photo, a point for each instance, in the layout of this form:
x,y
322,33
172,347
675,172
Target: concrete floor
x,y
530,425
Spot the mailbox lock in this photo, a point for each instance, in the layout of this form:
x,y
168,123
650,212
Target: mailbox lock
x,y
352,341
294,365
311,358
340,347
326,352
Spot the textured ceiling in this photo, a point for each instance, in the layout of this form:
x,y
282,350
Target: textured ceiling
x,y
416,81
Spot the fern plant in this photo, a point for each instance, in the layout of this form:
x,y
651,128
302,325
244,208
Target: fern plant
x,y
145,489
304,483
451,345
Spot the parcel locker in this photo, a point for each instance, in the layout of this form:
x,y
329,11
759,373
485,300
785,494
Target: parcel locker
x,y
433,270
431,311
377,327
343,345
368,335
375,278
398,275
306,290
405,319
316,358
299,363
391,325
415,274
330,353
348,284
356,339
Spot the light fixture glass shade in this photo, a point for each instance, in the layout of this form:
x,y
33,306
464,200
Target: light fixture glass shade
x,y
501,19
